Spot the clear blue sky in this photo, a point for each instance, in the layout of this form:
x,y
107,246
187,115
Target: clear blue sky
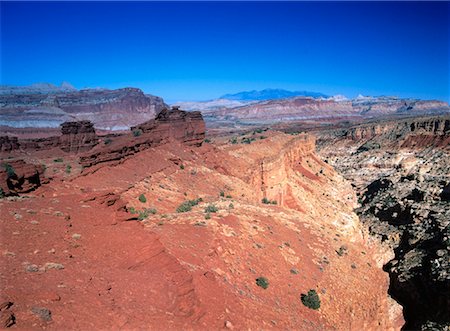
x,y
201,50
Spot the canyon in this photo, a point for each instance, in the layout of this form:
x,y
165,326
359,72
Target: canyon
x,y
185,231
401,173
188,219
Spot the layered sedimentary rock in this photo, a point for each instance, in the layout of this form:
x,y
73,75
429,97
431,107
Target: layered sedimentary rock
x,y
17,176
107,109
303,108
175,124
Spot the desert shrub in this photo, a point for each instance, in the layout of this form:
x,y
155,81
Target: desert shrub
x,y
247,140
187,205
132,210
58,160
262,282
211,209
228,196
311,300
268,202
231,206
142,198
2,193
68,169
181,166
9,170
137,132
222,193
207,140
234,140
207,216
108,141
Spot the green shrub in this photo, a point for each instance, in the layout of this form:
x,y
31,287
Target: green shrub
x,y
137,132
268,202
207,140
262,282
132,210
222,193
2,193
108,141
233,140
9,170
207,216
228,196
211,209
311,300
231,206
68,168
142,198
181,167
58,160
187,205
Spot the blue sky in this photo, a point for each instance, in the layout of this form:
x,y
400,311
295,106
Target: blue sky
x,y
201,50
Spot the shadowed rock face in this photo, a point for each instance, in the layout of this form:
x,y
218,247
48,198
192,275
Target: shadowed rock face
x,y
20,177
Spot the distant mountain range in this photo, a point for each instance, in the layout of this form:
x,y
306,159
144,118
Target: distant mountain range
x,y
271,94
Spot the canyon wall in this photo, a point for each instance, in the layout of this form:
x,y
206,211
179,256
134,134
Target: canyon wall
x,y
106,109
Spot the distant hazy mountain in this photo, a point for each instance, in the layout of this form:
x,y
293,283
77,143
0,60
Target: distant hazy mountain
x,y
271,94
38,88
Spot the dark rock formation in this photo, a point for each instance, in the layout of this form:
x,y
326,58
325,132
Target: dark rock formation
x,y
20,177
77,136
169,125
8,144
107,109
409,214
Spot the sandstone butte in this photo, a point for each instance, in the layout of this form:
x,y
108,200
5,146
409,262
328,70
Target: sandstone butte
x,y
75,255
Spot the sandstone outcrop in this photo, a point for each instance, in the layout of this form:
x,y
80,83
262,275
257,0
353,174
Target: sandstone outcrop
x,y
77,136
106,109
169,125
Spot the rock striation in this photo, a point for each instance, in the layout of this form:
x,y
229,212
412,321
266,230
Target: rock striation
x,y
106,109
306,108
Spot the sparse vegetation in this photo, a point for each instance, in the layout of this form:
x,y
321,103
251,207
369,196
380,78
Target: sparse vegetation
x,y
268,202
222,193
262,282
181,166
142,198
207,140
68,169
207,216
137,132
58,160
108,141
233,140
311,300
231,206
187,205
2,193
211,209
247,140
10,172
228,196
